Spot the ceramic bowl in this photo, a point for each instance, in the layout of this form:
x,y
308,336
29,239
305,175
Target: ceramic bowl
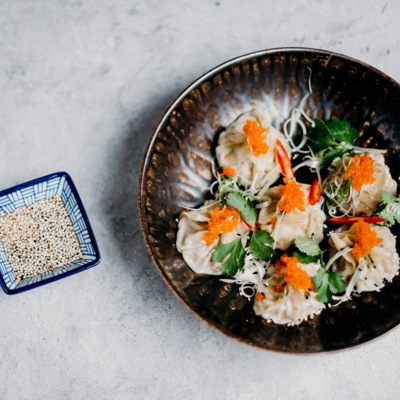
x,y
40,189
176,171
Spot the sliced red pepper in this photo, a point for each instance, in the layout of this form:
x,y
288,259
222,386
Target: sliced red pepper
x,y
354,220
283,160
315,192
278,267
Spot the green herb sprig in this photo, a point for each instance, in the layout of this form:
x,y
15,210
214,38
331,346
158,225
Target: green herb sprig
x,y
332,140
326,283
389,209
233,254
236,253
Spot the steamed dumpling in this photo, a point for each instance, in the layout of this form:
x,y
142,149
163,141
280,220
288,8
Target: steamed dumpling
x,y
384,257
233,151
192,228
365,200
285,230
290,305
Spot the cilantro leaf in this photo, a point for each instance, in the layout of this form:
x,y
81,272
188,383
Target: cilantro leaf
x,y
342,131
387,197
321,283
336,282
389,209
221,251
328,283
236,258
320,136
260,245
244,206
332,140
308,246
304,258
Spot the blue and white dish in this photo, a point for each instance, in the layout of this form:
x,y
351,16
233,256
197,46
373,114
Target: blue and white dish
x,y
40,189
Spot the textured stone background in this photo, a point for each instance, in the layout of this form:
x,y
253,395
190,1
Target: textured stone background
x,y
83,83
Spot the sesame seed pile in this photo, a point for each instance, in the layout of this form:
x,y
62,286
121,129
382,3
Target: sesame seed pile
x,y
39,238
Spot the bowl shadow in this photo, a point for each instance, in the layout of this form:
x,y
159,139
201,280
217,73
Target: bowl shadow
x,y
121,204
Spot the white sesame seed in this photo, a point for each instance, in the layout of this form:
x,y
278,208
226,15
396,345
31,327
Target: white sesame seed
x,y
39,238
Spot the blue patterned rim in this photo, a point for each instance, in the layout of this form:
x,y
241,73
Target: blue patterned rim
x,y
40,189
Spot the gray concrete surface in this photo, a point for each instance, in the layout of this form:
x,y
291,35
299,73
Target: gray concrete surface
x,y
83,84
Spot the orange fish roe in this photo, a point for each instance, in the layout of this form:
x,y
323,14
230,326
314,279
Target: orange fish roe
x,y
362,172
222,221
228,172
259,296
278,288
256,137
292,196
297,276
273,220
366,240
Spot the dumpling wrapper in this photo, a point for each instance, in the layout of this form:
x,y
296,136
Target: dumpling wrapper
x,y
292,224
195,251
232,152
290,306
366,200
384,256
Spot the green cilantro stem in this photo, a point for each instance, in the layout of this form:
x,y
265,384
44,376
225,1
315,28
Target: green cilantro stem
x,y
344,165
368,260
336,256
321,256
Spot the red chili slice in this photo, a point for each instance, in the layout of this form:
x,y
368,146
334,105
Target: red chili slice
x,y
315,192
283,160
354,220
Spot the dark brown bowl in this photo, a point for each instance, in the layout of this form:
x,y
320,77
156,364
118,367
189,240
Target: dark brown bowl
x,y
176,171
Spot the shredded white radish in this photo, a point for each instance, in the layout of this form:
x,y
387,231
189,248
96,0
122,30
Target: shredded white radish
x,y
251,277
294,119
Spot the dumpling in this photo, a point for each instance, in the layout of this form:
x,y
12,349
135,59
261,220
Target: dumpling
x,y
369,175
287,228
196,242
235,149
284,303
359,276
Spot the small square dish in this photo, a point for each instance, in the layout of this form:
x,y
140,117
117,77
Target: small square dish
x,y
45,233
